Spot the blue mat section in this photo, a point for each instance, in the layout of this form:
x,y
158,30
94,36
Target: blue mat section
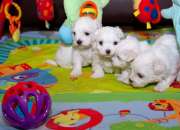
x,y
27,39
6,48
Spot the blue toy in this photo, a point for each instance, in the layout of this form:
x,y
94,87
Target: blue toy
x,y
174,14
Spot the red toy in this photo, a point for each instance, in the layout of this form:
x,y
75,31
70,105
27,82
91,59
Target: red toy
x,y
2,15
45,10
147,11
175,84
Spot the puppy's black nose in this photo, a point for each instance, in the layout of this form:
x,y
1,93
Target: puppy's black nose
x,y
131,81
79,42
108,51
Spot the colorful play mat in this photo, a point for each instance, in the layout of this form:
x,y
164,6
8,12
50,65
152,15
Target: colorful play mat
x,y
86,103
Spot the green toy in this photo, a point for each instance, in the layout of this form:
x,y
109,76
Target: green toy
x,y
174,14
73,9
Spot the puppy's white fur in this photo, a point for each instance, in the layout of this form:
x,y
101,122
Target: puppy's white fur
x,y
63,57
126,52
107,40
157,65
83,39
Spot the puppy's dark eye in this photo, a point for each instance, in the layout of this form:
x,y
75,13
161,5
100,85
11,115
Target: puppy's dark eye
x,y
115,43
140,75
87,34
74,33
101,43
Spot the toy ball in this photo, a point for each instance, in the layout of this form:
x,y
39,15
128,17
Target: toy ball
x,y
26,105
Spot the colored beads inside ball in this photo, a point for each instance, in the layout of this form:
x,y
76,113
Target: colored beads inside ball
x,y
26,105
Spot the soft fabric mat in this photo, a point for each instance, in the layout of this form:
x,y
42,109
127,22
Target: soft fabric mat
x,y
96,104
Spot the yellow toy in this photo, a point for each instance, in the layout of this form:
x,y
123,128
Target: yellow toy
x,y
14,21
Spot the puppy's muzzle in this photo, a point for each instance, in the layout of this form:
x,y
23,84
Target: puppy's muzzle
x,y
79,42
108,51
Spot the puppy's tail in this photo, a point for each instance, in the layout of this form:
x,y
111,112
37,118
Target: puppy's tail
x,y
51,62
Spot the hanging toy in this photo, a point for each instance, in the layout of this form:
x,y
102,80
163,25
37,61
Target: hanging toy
x,y
14,21
2,15
45,11
90,9
173,13
147,11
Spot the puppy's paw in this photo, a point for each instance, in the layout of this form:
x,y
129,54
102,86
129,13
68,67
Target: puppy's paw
x,y
123,78
97,75
75,74
160,88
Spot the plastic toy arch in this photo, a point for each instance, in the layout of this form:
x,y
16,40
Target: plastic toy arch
x,y
89,8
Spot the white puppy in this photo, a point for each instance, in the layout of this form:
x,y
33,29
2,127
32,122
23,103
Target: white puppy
x,y
107,40
126,52
83,37
83,33
63,57
157,65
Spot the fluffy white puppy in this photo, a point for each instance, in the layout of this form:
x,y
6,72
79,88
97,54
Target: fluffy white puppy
x,y
157,65
107,40
63,57
79,54
83,37
126,52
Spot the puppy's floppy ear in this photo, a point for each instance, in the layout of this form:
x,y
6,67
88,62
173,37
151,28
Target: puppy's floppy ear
x,y
95,39
98,23
158,66
97,32
128,55
119,32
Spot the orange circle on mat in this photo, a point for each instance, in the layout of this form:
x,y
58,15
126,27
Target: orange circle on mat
x,y
89,8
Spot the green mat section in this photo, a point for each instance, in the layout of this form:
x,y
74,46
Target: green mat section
x,y
106,95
